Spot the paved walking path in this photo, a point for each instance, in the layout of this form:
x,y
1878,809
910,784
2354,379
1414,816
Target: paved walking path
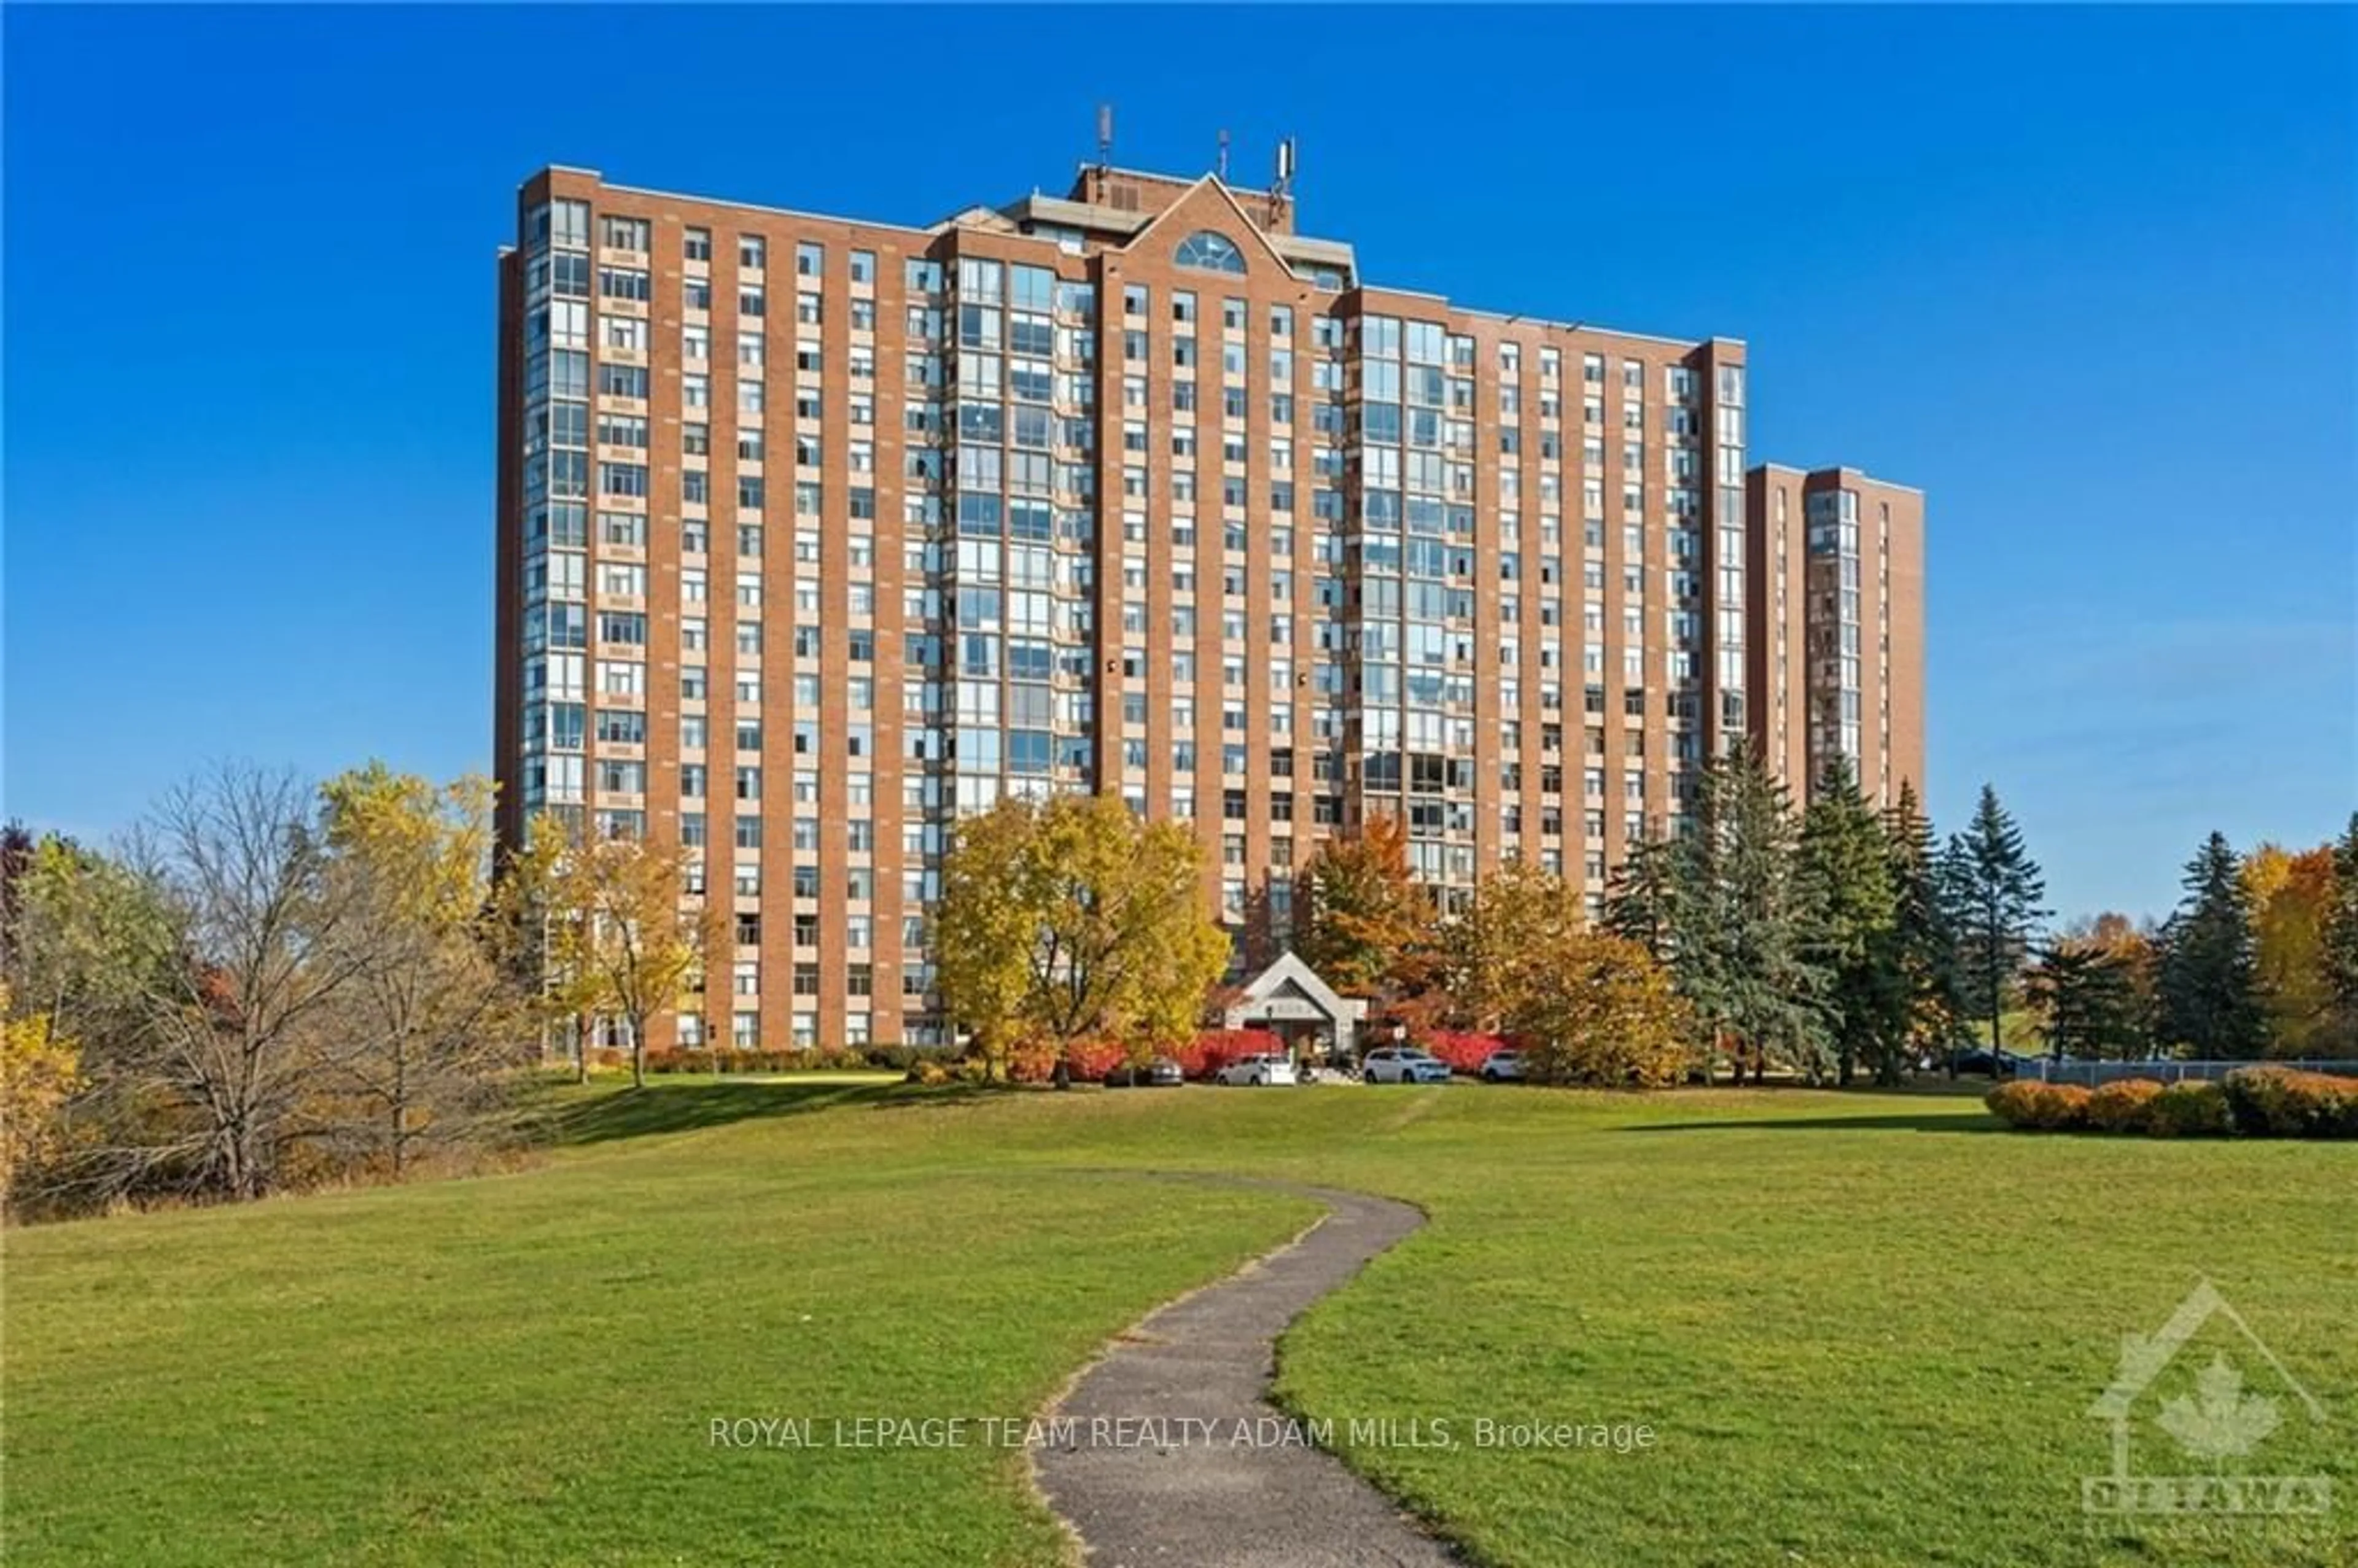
x,y
1200,1501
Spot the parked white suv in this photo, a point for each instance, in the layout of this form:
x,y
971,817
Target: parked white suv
x,y
1257,1070
1404,1065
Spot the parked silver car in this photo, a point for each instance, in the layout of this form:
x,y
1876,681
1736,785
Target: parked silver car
x,y
1503,1067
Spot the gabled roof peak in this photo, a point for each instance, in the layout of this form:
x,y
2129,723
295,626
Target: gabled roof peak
x,y
1149,195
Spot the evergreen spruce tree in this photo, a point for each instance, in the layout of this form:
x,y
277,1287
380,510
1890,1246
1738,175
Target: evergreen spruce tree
x,y
2088,999
1924,943
2339,941
1640,902
1849,907
1689,900
1737,951
2209,985
1992,890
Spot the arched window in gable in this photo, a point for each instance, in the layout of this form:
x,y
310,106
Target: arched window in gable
x,y
1213,251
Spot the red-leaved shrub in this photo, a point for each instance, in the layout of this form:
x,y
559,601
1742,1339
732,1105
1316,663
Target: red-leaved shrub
x,y
1088,1061
1216,1048
1091,1060
1464,1051
1031,1062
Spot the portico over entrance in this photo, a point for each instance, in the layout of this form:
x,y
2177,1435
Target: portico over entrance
x,y
1290,1000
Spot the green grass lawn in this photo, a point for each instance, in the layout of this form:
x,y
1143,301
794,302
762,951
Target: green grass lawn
x,y
1866,1328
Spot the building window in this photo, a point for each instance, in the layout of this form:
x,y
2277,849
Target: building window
x,y
1212,252
570,224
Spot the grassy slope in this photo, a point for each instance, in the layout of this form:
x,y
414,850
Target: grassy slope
x,y
523,1369
1865,1329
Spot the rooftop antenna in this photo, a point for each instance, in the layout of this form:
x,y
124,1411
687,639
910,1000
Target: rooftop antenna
x,y
1281,187
1105,134
1224,156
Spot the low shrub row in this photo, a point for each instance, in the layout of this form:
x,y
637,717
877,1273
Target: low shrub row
x,y
2041,1106
821,1058
1089,1060
2255,1102
2123,1106
2277,1102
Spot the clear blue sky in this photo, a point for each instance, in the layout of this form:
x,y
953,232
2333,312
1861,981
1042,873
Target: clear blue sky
x,y
2085,276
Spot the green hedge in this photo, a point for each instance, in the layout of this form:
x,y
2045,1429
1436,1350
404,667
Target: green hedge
x,y
820,1058
2190,1109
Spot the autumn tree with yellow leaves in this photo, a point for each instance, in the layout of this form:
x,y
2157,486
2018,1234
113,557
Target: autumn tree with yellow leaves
x,y
609,924
39,1071
2290,894
1584,1005
1070,919
431,1017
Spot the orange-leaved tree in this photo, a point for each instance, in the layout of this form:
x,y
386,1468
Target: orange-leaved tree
x,y
1361,920
1587,1006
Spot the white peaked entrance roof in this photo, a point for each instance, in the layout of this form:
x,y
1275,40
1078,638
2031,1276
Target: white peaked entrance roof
x,y
1289,991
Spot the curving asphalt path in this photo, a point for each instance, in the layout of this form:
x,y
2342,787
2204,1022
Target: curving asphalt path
x,y
1155,1478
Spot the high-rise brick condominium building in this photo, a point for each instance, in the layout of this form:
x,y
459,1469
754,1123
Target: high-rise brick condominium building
x,y
815,534
1837,592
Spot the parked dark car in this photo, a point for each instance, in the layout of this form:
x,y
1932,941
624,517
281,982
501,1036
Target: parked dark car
x,y
1163,1073
1983,1062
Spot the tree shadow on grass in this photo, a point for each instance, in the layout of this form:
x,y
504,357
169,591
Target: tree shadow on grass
x,y
1929,1122
676,1106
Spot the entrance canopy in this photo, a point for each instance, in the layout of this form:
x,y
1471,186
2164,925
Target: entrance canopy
x,y
1289,995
